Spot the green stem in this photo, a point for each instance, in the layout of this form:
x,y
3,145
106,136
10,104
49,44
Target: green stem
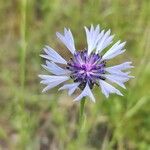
x,y
81,117
23,5
23,116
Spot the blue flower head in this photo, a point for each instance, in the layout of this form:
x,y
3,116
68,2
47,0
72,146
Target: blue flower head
x,y
86,68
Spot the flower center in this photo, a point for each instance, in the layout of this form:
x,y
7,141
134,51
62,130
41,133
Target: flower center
x,y
86,68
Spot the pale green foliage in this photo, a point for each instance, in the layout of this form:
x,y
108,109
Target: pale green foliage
x,y
33,121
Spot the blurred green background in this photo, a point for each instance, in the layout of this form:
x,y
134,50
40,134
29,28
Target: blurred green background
x,y
30,120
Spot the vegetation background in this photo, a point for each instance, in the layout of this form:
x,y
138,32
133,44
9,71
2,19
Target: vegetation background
x,y
30,120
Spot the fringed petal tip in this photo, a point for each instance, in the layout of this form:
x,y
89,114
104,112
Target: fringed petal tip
x,y
70,87
108,89
67,39
86,92
78,100
52,55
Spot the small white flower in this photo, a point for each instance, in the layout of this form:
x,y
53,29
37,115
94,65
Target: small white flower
x,y
88,67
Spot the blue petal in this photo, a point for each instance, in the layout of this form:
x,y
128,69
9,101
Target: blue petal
x,y
105,40
52,81
53,55
115,50
92,35
107,88
55,69
71,87
123,66
67,39
117,79
86,92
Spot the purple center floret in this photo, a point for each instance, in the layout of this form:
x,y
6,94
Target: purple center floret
x,y
86,68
